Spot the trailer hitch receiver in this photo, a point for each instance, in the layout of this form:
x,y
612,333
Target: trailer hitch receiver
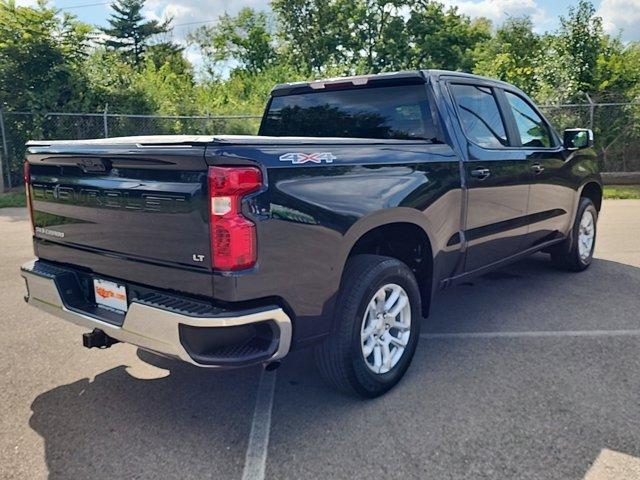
x,y
97,339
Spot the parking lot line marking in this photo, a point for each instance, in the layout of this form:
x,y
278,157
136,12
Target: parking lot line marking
x,y
548,333
612,465
256,458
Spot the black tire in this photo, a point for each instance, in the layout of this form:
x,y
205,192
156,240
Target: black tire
x,y
340,358
568,257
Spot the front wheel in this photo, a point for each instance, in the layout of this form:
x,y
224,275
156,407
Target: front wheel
x,y
377,325
583,239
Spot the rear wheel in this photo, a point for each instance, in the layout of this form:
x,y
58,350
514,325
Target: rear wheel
x,y
583,239
377,325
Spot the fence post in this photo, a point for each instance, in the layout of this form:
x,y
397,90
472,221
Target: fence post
x,y
592,107
105,122
4,157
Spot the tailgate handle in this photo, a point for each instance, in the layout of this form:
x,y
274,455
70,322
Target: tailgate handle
x,y
88,165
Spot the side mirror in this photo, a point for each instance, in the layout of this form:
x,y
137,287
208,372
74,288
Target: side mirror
x,y
577,138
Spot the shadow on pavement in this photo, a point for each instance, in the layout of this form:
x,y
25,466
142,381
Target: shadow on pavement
x,y
474,408
539,409
532,295
505,408
190,423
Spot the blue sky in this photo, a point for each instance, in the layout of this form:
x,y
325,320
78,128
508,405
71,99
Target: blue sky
x,y
618,15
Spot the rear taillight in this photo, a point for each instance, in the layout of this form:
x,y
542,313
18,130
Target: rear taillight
x,y
27,190
233,236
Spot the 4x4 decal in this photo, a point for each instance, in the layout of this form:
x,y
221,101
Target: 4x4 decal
x,y
298,158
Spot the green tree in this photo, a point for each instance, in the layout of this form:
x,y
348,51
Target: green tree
x,y
377,39
512,54
170,54
245,41
314,32
443,38
168,91
617,73
243,91
581,40
41,59
128,32
115,82
163,84
569,65
365,36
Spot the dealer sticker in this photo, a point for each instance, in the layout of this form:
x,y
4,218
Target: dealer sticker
x,y
110,295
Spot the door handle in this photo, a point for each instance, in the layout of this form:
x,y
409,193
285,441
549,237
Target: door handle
x,y
480,173
537,168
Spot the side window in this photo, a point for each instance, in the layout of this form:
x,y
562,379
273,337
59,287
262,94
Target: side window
x,y
533,130
479,115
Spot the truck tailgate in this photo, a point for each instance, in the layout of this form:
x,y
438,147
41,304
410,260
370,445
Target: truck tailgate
x,y
124,209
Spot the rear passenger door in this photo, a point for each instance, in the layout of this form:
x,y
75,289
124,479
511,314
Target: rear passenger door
x,y
551,197
497,176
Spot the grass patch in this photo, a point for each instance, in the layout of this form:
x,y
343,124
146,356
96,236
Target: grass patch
x,y
622,192
13,199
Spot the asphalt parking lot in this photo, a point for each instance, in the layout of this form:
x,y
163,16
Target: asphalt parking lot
x,y
526,373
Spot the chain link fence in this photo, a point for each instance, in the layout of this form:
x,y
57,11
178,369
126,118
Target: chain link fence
x,y
616,128
16,128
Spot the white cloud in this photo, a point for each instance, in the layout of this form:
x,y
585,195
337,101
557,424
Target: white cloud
x,y
26,3
499,10
194,56
194,13
621,15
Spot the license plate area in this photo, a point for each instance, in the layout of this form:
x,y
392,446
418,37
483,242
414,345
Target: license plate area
x,y
110,295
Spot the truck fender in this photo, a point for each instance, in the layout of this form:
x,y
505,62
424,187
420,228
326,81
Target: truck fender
x,y
379,219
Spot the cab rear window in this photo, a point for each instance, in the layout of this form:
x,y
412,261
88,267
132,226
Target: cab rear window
x,y
400,113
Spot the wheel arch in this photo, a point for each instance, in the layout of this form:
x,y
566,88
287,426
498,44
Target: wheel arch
x,y
593,191
399,234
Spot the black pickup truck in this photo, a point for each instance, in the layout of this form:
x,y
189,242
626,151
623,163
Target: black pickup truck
x,y
333,228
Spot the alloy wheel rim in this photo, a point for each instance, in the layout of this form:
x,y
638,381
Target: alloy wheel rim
x,y
386,328
586,235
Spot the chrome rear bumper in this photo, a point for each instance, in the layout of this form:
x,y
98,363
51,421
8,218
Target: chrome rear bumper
x,y
153,328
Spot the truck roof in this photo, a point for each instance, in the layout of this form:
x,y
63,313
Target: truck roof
x,y
407,77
